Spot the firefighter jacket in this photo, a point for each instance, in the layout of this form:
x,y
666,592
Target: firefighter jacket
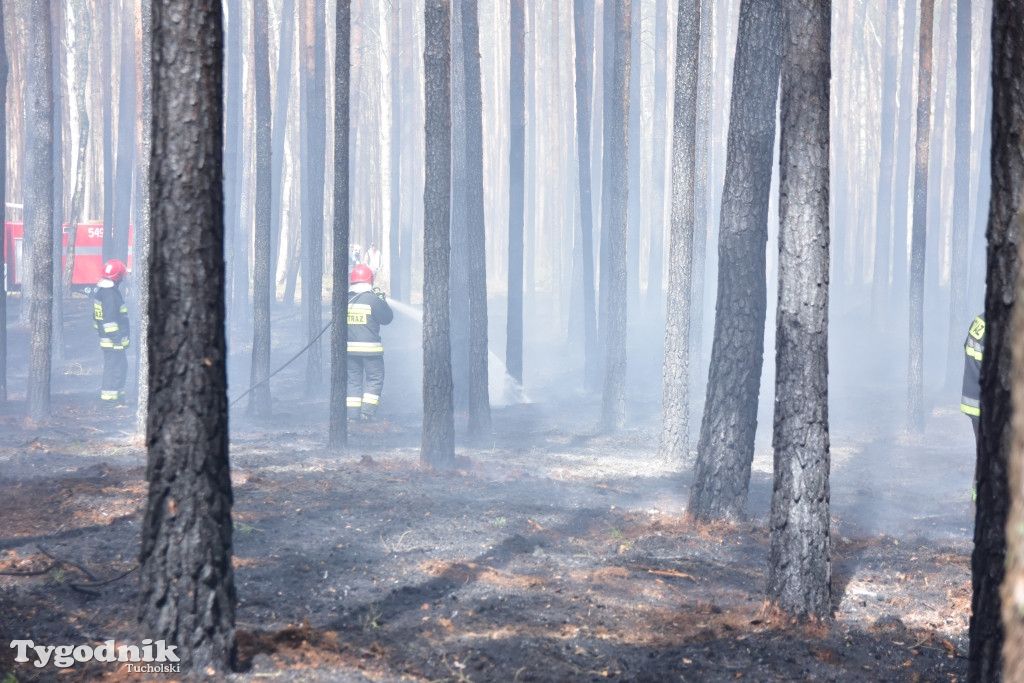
x,y
110,316
367,311
970,402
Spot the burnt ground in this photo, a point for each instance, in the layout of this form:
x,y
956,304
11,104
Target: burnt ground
x,y
555,552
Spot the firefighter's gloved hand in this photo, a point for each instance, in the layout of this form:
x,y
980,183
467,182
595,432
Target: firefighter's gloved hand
x,y
380,292
124,342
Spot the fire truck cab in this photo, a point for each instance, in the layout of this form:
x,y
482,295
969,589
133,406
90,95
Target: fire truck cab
x,y
88,255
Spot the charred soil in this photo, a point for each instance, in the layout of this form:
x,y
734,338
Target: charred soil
x,y
553,552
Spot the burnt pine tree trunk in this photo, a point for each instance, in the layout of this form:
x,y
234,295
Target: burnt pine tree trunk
x,y
634,209
140,265
701,193
583,22
57,58
1007,205
725,451
915,373
438,441
517,192
338,430
961,227
107,77
280,120
395,282
262,279
233,155
80,46
675,401
886,162
479,398
459,286
904,151
187,589
126,118
313,186
39,197
799,563
998,448
4,70
614,203
658,179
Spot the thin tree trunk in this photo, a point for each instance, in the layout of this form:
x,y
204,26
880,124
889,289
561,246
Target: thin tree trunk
x,y
142,233
583,22
279,136
675,398
517,152
39,198
338,430
438,440
80,46
479,398
260,401
915,373
961,228
57,58
614,205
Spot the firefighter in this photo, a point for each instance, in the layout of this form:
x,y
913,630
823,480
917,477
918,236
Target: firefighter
x,y
110,317
368,309
970,401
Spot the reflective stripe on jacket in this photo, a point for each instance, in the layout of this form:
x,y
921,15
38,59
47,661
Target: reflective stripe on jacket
x,y
366,313
974,346
110,316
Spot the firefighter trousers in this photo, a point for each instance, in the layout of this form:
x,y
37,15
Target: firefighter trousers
x,y
115,373
365,382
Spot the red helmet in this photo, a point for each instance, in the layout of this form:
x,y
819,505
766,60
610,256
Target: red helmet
x,y
361,273
114,270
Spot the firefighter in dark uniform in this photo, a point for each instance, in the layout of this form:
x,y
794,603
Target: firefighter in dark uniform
x,y
368,309
110,317
970,401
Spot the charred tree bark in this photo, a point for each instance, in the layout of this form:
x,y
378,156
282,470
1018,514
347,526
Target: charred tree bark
x,y
39,198
438,441
187,591
915,373
614,205
479,398
259,375
338,430
725,450
583,22
517,193
799,563
996,617
675,397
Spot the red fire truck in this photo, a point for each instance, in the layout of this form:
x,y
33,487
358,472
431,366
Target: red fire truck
x,y
88,255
